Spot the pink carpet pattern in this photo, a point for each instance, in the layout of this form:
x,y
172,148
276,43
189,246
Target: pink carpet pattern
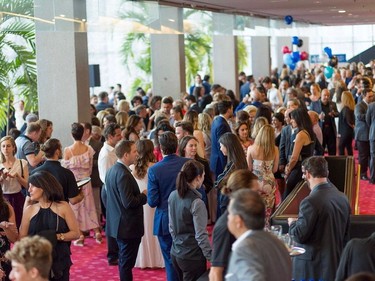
x,y
90,263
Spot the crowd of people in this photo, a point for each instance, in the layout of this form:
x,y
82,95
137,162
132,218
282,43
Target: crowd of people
x,y
161,169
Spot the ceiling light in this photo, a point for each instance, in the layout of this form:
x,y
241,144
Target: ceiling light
x,y
171,20
342,11
63,16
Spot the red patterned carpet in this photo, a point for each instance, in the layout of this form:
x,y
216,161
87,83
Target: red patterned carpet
x,y
90,263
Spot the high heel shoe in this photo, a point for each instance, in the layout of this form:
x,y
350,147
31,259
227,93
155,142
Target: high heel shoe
x,y
98,238
80,242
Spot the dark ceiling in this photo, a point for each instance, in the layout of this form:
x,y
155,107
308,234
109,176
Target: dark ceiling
x,y
324,12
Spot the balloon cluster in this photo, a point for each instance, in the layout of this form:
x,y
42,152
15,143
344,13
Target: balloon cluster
x,y
291,57
328,70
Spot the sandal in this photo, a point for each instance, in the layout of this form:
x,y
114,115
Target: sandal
x,y
80,242
98,238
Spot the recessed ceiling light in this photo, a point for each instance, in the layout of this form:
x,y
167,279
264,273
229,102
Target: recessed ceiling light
x,y
172,20
342,11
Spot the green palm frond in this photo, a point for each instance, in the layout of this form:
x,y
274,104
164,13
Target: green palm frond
x,y
241,53
17,55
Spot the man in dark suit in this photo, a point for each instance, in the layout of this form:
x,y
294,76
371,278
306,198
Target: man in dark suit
x,y
124,211
53,153
370,120
192,105
322,227
358,256
327,111
256,255
361,131
285,141
219,127
161,182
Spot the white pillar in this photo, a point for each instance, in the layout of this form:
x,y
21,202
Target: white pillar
x,y
62,65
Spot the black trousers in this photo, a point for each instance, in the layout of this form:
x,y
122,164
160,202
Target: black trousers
x,y
346,142
128,251
329,140
363,156
293,179
189,270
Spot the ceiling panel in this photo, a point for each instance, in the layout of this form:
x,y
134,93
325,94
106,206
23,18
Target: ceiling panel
x,y
325,12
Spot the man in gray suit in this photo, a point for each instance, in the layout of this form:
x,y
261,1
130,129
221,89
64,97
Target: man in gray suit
x,y
370,120
257,255
322,227
361,131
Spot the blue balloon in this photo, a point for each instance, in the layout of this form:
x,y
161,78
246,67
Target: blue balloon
x,y
328,72
295,57
287,58
292,66
328,51
288,19
295,40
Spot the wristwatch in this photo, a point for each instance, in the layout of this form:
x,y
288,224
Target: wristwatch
x,y
61,237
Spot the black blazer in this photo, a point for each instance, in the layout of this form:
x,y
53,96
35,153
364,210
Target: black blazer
x,y
124,204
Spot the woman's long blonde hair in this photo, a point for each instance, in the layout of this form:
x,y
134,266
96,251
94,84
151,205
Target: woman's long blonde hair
x,y
347,100
265,140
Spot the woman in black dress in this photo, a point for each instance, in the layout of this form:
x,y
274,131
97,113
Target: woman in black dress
x,y
52,218
346,123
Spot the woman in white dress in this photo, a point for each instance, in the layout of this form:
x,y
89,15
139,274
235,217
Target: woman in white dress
x,y
149,253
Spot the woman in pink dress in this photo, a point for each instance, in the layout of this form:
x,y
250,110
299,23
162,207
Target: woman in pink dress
x,y
149,253
79,158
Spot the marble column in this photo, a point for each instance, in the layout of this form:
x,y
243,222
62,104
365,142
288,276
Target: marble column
x,y
62,64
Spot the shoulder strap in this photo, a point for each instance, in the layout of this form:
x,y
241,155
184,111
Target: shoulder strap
x,y
21,168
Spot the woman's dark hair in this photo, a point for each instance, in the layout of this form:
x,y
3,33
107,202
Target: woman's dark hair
x,y
189,171
146,155
197,92
242,115
240,179
280,117
4,208
77,131
154,100
44,124
130,126
234,150
192,117
50,146
264,111
94,109
303,121
52,189
163,126
178,109
183,143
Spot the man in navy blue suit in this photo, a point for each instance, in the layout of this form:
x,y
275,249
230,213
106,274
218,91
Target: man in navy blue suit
x,y
219,127
161,182
125,208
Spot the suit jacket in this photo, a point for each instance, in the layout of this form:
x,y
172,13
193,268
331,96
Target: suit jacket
x,y
260,256
358,256
124,204
370,120
95,179
63,175
161,182
195,107
361,129
322,229
317,107
285,147
218,161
